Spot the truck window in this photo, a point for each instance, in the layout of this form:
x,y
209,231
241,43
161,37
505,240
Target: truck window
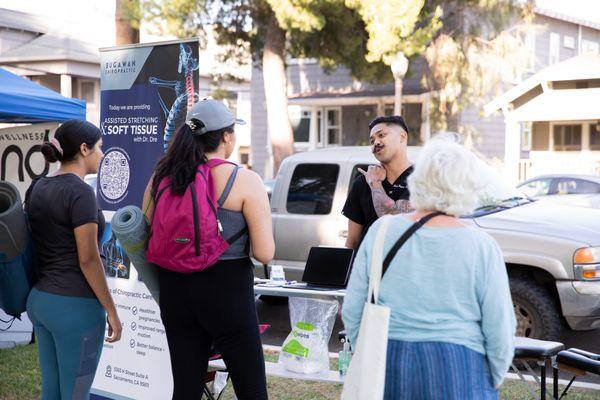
x,y
355,172
312,188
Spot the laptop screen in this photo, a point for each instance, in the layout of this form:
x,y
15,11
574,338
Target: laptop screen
x,y
328,266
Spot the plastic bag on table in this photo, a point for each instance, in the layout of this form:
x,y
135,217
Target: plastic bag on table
x,y
306,350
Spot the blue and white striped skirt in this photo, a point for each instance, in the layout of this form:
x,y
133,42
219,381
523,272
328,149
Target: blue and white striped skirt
x,y
436,370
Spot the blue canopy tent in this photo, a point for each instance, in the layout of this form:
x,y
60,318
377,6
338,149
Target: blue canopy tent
x,y
22,101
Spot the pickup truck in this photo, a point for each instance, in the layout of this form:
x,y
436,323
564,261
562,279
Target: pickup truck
x,y
552,252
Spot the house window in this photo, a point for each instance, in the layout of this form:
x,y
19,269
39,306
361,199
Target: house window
x,y
540,136
567,137
526,136
530,46
554,48
589,46
244,155
412,114
87,92
312,188
595,136
333,126
388,110
569,42
300,120
413,117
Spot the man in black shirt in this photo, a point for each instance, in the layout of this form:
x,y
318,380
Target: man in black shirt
x,y
382,189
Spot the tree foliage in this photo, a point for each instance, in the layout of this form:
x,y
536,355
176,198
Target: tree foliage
x,y
396,25
473,56
362,35
180,18
468,51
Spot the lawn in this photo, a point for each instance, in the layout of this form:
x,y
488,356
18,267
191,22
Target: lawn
x,y
20,380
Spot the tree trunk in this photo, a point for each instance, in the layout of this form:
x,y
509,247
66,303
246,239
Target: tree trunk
x,y
124,16
280,128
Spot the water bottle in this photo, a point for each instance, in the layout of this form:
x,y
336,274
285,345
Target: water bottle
x,y
344,357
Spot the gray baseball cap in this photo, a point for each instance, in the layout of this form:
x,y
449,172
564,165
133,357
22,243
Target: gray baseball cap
x,y
213,114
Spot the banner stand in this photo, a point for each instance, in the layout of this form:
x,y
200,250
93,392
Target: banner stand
x,y
145,93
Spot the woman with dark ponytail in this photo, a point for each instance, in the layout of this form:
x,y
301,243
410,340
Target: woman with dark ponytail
x,y
215,305
70,300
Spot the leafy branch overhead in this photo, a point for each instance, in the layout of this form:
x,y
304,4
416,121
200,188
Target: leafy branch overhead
x,y
396,25
466,45
477,53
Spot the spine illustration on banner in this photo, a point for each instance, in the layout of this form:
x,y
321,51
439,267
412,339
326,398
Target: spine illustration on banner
x,y
185,92
116,264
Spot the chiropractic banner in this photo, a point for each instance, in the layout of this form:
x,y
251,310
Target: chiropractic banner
x,y
21,160
145,93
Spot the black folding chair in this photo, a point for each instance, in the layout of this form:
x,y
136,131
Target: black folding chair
x,y
579,363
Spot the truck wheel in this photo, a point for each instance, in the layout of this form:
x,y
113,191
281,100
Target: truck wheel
x,y
536,313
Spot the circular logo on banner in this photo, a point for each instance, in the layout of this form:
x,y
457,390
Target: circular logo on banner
x,y
113,177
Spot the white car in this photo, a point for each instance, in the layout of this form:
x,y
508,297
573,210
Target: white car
x,y
569,189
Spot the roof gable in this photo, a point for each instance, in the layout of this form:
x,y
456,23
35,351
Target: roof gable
x,y
53,47
585,67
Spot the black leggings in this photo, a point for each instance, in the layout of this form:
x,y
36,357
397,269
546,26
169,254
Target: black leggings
x,y
215,306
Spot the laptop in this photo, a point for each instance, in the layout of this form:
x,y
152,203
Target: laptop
x,y
327,268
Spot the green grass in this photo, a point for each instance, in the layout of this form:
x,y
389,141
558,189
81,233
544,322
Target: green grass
x,y
19,373
20,380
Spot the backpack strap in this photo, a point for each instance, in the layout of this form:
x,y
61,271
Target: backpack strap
x,y
228,186
213,162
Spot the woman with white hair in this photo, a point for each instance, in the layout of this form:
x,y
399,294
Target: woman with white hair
x,y
452,322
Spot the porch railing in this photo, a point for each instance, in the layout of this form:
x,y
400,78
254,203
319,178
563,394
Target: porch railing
x,y
528,168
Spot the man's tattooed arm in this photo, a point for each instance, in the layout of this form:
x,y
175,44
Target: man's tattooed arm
x,y
381,202
384,205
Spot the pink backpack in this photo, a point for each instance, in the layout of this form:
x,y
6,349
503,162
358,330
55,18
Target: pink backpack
x,y
185,234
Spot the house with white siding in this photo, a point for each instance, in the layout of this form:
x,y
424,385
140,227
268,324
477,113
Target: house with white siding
x,y
552,120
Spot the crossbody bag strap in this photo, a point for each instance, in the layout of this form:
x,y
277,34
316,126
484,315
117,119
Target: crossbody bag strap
x,y
238,235
376,260
28,193
27,199
405,236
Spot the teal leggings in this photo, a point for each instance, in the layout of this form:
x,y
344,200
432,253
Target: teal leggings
x,y
69,331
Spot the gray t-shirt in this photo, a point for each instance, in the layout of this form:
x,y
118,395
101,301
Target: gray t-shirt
x,y
56,206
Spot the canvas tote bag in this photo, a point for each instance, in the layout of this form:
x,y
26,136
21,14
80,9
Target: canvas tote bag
x,y
366,374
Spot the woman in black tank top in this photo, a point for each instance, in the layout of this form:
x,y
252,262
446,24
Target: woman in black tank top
x,y
214,308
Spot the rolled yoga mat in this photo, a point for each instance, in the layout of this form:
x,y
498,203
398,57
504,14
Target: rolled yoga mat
x,y
13,226
17,255
131,228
